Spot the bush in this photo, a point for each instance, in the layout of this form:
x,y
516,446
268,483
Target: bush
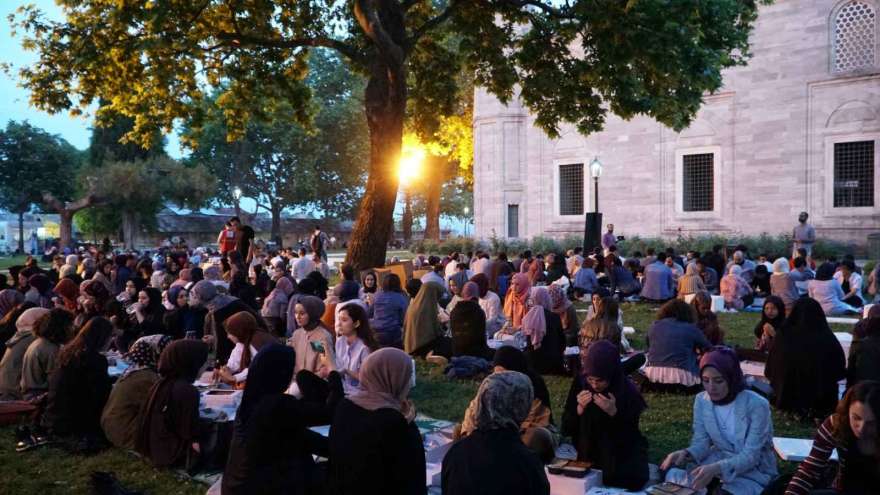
x,y
447,246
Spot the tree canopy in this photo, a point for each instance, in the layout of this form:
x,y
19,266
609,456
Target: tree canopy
x,y
571,61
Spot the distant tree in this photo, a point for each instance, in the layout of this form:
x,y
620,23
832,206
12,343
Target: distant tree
x,y
280,164
32,163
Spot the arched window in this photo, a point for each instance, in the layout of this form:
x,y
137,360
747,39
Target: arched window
x,y
854,37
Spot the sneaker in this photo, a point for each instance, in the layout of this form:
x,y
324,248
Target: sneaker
x,y
24,440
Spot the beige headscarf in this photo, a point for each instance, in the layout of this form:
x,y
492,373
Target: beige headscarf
x,y
421,324
385,379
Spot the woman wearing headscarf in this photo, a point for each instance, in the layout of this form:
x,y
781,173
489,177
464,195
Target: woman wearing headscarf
x,y
375,445
40,291
321,284
421,326
180,318
307,314
732,445
455,283
490,303
537,426
545,342
735,290
535,272
707,321
147,315
9,299
272,448
761,281
516,304
467,323
248,338
123,413
772,319
79,386
11,364
275,306
69,269
691,282
827,291
805,363
68,291
602,415
9,320
387,312
39,360
782,285
103,275
170,432
492,459
562,306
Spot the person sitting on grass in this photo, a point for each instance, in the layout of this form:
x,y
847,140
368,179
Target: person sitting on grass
x,y
375,446
852,432
690,283
585,281
39,360
388,310
248,338
492,458
602,417
735,289
731,451
805,363
16,347
851,283
467,324
673,341
545,342
658,284
171,434
772,319
355,342
604,325
422,333
490,303
782,285
122,415
707,321
827,291
79,387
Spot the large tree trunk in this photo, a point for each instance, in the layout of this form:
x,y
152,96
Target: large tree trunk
x,y
385,106
20,249
66,212
130,226
276,225
432,199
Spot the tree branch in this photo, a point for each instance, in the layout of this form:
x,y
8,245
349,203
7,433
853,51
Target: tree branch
x,y
73,206
544,7
430,24
239,39
368,18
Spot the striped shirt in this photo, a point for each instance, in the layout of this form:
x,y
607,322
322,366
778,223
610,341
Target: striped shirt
x,y
811,470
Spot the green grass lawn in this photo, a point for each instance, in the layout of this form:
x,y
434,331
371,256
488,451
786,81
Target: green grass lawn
x,y
666,424
7,261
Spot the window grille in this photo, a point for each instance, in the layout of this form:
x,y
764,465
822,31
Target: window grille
x,y
512,220
854,174
571,189
854,37
698,182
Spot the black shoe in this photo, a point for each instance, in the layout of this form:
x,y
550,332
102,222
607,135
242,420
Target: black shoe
x,y
24,439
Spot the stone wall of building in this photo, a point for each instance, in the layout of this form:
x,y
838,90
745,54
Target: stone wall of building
x,y
772,129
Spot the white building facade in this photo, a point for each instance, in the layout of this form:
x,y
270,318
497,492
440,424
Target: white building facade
x,y
797,129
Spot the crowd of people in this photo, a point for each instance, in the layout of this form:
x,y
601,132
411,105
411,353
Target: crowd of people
x,y
306,354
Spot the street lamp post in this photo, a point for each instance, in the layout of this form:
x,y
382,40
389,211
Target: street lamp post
x,y
467,212
593,222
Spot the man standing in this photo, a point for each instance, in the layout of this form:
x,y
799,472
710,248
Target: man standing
x,y
804,235
608,238
318,242
228,238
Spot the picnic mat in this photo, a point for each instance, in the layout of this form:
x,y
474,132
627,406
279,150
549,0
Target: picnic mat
x,y
795,449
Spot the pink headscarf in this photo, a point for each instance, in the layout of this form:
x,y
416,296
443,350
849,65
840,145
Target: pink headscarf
x,y
515,302
534,326
540,296
559,303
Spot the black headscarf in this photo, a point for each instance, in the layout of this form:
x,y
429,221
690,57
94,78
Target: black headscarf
x,y
825,271
321,284
777,322
513,359
155,297
602,360
269,373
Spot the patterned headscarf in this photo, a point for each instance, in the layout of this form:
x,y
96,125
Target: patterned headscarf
x,y
559,303
503,401
144,353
